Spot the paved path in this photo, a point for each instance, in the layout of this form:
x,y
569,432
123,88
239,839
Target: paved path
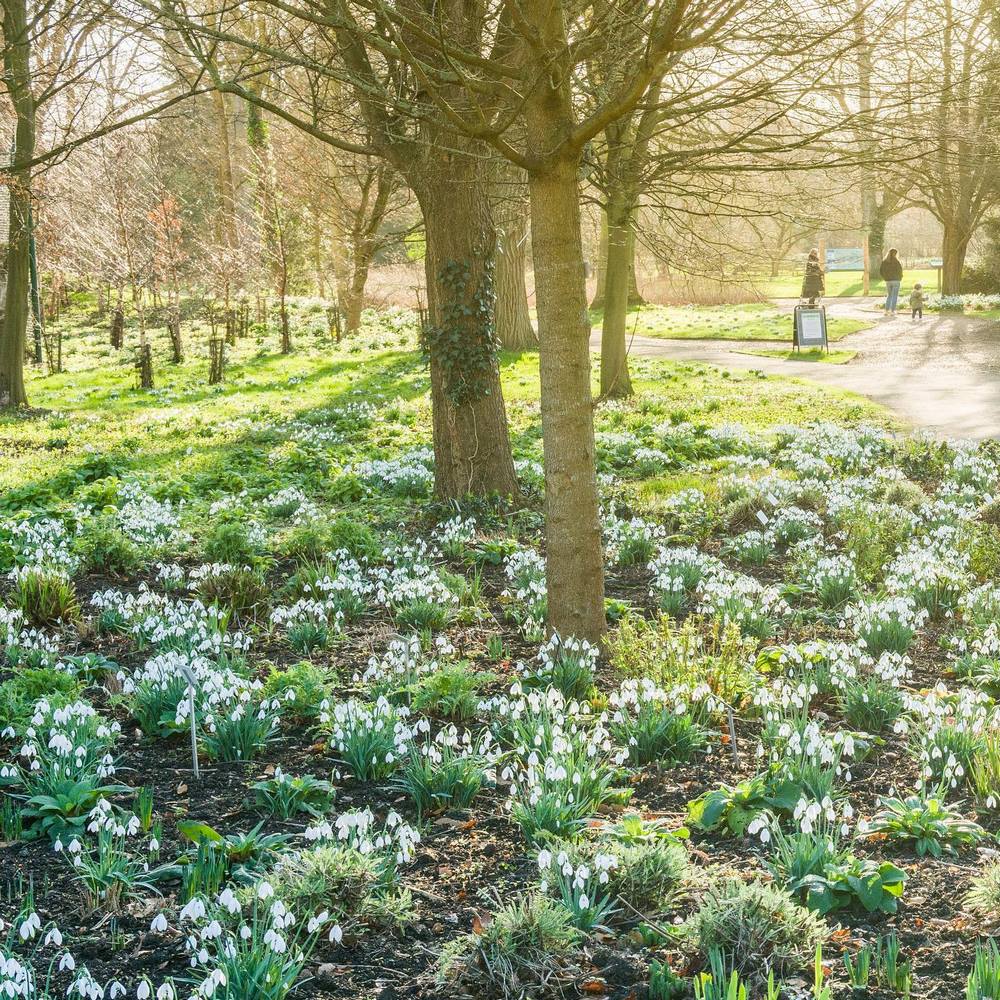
x,y
942,374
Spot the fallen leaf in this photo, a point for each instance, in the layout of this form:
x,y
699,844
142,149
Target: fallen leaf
x,y
181,788
594,986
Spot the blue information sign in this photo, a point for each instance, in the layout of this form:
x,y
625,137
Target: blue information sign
x,y
845,259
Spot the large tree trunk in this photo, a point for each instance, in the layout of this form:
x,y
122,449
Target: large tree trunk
x,y
615,381
353,299
574,553
17,66
513,318
471,441
954,244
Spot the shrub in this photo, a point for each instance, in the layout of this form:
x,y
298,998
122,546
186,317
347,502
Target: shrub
x,y
19,694
103,548
317,539
453,691
759,926
344,881
301,688
681,657
904,493
232,541
46,596
873,539
523,946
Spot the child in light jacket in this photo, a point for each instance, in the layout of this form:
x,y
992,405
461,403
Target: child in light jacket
x,y
917,302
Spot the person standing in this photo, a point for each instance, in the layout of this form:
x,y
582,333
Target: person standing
x,y
814,280
891,272
917,302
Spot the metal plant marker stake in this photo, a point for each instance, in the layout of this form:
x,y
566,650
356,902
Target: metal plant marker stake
x,y
192,683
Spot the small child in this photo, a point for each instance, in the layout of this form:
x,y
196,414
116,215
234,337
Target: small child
x,y
917,302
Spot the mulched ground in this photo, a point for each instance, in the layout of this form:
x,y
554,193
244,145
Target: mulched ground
x,y
471,861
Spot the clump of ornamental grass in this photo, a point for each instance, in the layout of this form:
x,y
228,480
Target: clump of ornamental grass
x,y
524,947
45,596
983,898
759,926
239,589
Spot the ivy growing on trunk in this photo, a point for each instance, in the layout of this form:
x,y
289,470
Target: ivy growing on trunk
x,y
465,343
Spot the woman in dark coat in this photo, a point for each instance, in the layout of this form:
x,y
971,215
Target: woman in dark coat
x,y
891,272
814,282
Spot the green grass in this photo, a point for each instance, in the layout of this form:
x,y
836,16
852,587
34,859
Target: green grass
x,y
196,440
827,357
753,321
840,284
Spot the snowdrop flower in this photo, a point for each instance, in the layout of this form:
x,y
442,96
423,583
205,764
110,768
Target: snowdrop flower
x,y
265,890
30,926
336,934
194,910
228,900
143,991
159,924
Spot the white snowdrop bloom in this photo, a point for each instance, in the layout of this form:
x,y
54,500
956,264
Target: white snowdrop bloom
x,y
67,962
143,991
194,910
228,900
265,890
116,989
29,926
159,923
336,935
166,992
54,937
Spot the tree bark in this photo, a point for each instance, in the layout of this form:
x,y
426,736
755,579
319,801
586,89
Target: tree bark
x,y
226,232
615,381
353,300
876,241
635,297
574,553
471,440
17,67
513,317
954,244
